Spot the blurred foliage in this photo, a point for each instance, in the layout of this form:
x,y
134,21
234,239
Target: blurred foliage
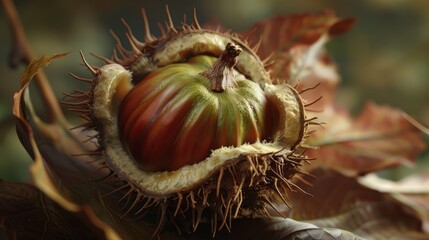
x,y
383,58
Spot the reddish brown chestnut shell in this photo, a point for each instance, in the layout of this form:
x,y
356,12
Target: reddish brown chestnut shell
x,y
172,118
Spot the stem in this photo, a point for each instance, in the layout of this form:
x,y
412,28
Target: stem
x,y
221,73
21,52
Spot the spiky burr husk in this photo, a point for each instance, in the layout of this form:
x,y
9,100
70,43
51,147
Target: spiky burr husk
x,y
234,181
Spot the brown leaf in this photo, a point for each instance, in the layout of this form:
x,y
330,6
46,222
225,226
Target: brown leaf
x,y
33,133
420,204
378,138
417,183
412,191
318,87
341,202
26,135
26,213
295,42
36,65
275,228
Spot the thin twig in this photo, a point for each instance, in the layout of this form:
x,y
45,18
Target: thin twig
x,y
21,52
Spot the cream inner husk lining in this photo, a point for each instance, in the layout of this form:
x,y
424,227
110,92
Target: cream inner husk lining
x,y
184,178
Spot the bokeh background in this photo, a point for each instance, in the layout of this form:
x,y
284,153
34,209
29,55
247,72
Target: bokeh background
x,y
384,58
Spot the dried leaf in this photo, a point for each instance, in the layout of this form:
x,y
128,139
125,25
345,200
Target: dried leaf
x,y
318,87
419,203
412,191
25,133
89,186
275,228
26,213
378,138
36,65
338,201
32,132
295,42
414,184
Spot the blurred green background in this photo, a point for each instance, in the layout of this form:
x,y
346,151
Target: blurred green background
x,y
384,58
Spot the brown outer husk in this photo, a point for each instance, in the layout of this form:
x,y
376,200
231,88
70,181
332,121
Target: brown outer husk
x,y
242,186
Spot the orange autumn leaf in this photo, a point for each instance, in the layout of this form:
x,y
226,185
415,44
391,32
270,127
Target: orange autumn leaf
x,y
294,43
338,201
378,138
412,191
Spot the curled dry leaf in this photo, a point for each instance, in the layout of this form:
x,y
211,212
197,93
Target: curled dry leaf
x,y
26,213
412,191
33,133
25,131
294,43
341,202
414,184
279,228
378,138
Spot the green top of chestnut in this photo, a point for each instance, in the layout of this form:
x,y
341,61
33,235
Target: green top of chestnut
x,y
178,114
